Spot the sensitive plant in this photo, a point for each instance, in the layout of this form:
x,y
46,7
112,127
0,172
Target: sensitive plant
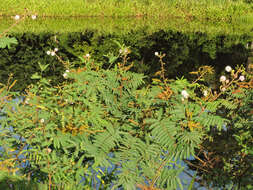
x,y
65,135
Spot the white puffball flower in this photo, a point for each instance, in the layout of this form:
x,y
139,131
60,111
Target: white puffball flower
x,y
87,55
52,53
228,68
205,92
42,120
27,101
126,50
241,78
65,75
48,52
56,49
120,51
185,94
222,78
67,71
223,89
17,17
49,150
156,53
34,17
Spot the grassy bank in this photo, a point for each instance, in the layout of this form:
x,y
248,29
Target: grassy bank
x,y
216,10
124,25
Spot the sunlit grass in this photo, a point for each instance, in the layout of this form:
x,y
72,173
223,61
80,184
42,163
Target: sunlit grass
x,y
216,10
125,25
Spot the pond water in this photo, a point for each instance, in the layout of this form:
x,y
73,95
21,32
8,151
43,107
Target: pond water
x,y
185,51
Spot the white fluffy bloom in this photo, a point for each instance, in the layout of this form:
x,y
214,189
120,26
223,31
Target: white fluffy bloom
x,y
120,51
27,101
241,78
222,78
65,75
87,55
34,17
185,94
56,49
156,53
49,150
67,71
205,92
228,68
48,52
17,17
42,120
52,53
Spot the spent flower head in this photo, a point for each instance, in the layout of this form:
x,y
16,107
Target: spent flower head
x,y
156,53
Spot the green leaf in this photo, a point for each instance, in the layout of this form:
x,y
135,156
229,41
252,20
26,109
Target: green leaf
x,y
35,76
43,67
6,42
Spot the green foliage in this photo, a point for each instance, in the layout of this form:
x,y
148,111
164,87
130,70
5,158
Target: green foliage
x,y
98,117
7,42
185,52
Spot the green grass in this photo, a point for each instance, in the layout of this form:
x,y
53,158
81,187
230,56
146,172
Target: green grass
x,y
216,16
215,10
124,25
